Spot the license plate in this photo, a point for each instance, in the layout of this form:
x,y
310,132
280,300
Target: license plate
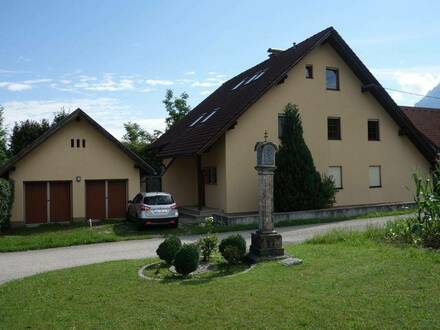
x,y
161,211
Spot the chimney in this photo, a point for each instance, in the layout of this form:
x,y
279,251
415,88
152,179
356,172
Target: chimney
x,y
274,51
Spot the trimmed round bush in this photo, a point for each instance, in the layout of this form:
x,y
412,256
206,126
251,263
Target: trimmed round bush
x,y
187,259
233,248
168,249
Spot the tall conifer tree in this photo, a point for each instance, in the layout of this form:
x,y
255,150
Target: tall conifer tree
x,y
298,186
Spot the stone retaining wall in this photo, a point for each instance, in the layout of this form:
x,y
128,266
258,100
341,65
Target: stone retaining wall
x,y
337,212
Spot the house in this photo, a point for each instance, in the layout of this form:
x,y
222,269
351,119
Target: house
x,y
75,170
355,131
427,123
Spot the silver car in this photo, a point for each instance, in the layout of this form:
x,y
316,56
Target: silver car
x,y
153,208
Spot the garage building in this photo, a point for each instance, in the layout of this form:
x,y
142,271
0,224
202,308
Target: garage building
x,y
76,170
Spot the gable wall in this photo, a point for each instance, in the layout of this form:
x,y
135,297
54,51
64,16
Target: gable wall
x,y
396,154
54,159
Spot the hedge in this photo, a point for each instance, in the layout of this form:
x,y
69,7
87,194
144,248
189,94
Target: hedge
x,y
6,200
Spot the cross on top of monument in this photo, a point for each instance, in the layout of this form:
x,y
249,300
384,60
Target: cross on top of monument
x,y
265,135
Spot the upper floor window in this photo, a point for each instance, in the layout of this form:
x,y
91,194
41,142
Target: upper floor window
x,y
72,143
373,130
332,79
335,173
375,176
281,120
309,71
334,128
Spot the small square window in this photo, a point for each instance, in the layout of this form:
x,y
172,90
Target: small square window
x,y
373,130
332,79
281,121
77,143
72,143
309,71
375,177
334,128
335,173
84,143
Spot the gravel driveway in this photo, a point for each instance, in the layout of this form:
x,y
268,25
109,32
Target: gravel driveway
x,y
15,265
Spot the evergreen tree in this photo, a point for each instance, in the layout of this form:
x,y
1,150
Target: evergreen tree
x,y
297,184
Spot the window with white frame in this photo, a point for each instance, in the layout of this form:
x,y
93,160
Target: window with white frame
x,y
375,178
335,173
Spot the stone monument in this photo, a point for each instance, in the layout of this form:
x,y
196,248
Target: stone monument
x,y
266,242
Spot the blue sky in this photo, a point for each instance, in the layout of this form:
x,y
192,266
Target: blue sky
x,y
115,59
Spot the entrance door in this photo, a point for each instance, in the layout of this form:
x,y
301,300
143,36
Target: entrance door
x,y
95,199
60,201
35,202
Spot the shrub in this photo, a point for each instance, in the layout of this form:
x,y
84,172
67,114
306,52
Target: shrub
x,y
187,259
424,229
207,245
6,201
233,248
168,249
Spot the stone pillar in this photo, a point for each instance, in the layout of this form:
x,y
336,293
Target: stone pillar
x,y
266,242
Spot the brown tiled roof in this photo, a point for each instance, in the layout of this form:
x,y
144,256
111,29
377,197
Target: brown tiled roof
x,y
182,139
426,121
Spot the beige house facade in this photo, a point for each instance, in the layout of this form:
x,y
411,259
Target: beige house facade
x,y
355,132
76,170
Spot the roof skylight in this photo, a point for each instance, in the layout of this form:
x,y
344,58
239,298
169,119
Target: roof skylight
x,y
239,84
210,115
197,120
256,76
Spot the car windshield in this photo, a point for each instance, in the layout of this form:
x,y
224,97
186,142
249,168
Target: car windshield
x,y
158,200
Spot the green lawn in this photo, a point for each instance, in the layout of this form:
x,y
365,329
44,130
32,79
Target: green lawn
x,y
49,236
346,281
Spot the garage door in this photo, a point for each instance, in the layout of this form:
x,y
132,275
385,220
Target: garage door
x,y
47,201
60,201
106,199
35,202
95,199
117,199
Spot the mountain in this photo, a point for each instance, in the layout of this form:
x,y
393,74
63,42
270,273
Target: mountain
x,y
430,102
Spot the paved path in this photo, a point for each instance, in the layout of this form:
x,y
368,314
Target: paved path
x,y
14,265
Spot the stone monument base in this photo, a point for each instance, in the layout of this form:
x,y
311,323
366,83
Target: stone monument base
x,y
266,246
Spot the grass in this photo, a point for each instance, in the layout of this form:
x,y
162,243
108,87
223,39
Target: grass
x,y
57,235
346,281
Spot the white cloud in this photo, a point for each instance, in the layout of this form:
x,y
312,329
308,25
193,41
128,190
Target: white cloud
x,y
205,84
154,82
204,93
37,81
419,80
190,73
15,87
108,112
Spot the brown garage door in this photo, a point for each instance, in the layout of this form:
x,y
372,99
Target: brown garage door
x,y
60,201
117,199
95,199
35,202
